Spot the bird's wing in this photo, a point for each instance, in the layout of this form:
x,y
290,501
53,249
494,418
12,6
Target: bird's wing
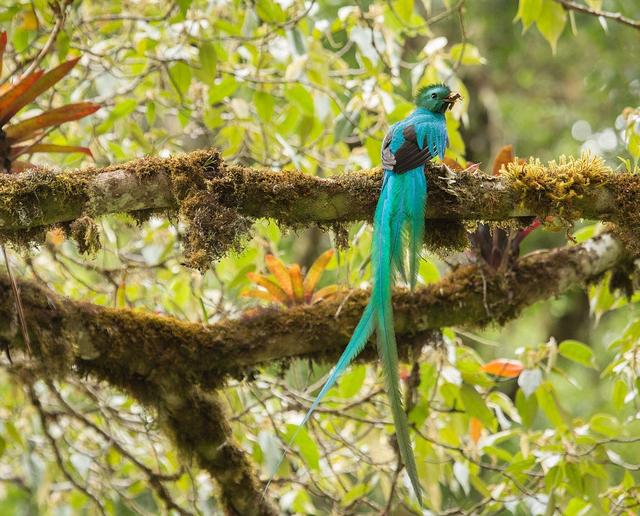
x,y
412,144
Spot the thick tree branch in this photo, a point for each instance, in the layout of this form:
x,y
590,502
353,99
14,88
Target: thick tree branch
x,y
125,347
570,188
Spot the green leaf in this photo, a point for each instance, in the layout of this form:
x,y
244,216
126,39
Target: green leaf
x,y
180,73
619,394
547,401
466,54
306,446
265,105
301,98
577,352
528,12
223,88
150,113
606,425
124,108
475,406
270,11
184,5
551,22
208,62
357,492
351,382
404,9
527,408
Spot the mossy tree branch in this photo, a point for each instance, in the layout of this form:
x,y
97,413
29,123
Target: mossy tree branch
x,y
127,347
569,188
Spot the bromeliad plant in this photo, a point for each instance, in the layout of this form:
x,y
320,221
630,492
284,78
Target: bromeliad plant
x,y
25,136
288,287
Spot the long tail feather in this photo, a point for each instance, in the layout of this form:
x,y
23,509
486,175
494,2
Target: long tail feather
x,y
399,216
391,209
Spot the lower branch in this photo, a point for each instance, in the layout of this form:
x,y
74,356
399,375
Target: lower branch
x,y
126,347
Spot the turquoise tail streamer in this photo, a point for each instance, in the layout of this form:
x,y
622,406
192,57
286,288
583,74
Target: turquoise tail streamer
x,y
398,225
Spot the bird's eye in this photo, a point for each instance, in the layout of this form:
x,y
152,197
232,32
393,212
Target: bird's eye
x,y
434,95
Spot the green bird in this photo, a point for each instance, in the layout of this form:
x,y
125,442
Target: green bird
x,y
398,235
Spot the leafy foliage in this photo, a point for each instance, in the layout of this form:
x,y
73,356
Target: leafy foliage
x,y
504,420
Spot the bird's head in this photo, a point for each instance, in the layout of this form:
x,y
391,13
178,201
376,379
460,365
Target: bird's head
x,y
437,98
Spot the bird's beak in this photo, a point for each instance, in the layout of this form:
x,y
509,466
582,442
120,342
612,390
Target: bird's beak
x,y
451,99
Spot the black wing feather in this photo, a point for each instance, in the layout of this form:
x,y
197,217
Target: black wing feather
x,y
410,155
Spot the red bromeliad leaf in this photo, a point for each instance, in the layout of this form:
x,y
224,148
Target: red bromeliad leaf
x,y
475,429
296,283
315,271
503,367
55,117
280,272
3,46
12,97
43,83
505,155
19,150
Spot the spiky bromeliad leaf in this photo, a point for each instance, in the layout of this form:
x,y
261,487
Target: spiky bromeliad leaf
x,y
315,272
280,272
12,97
19,150
43,82
27,128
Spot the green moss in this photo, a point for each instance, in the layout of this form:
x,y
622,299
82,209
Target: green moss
x,y
555,186
86,233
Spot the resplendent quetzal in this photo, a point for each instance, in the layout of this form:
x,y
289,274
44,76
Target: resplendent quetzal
x,y
398,231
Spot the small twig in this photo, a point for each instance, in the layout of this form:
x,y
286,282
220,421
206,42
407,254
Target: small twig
x,y
19,309
56,450
61,15
569,5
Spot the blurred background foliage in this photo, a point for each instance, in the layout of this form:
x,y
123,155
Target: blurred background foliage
x,y
314,85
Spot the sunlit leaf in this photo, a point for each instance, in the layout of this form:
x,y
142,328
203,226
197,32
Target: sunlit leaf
x,y
180,74
577,352
551,22
503,367
276,292
315,272
307,446
528,12
475,429
296,282
326,292
475,406
549,404
280,272
605,424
